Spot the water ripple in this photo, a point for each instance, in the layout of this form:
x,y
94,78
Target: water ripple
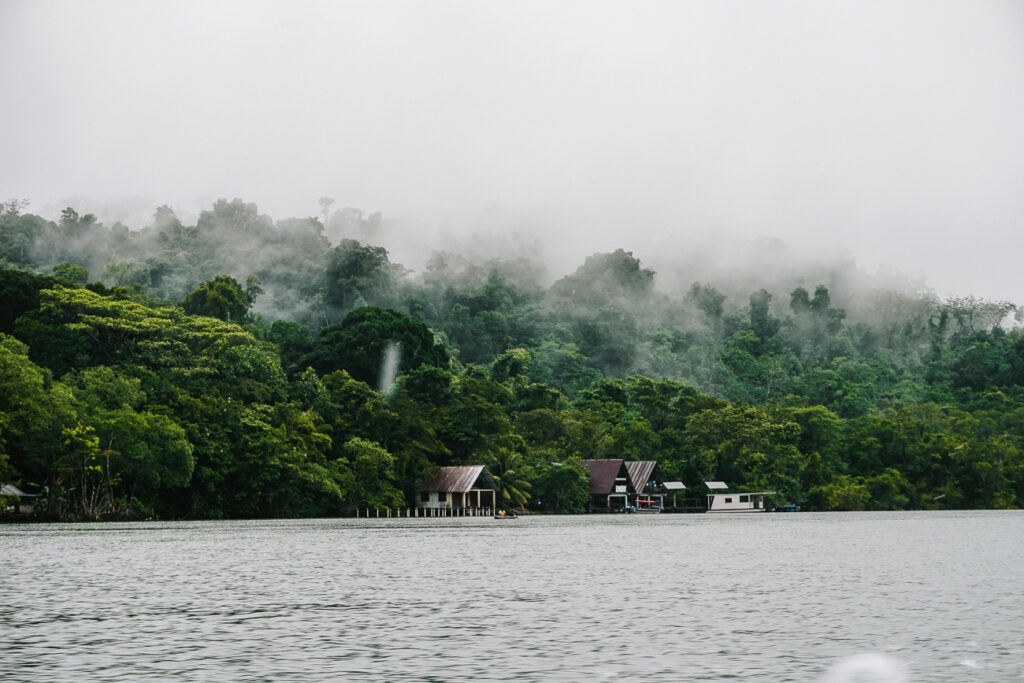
x,y
803,597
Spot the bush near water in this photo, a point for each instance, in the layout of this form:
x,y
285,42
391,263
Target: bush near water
x,y
178,384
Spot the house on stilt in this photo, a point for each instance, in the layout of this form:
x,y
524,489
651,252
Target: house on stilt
x,y
15,501
625,486
469,487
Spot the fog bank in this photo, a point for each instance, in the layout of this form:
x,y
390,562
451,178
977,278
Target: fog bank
x,y
889,131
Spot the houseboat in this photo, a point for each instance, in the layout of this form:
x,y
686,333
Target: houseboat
x,y
721,500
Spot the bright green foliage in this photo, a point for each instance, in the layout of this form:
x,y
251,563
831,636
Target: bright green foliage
x,y
251,372
561,486
562,367
71,274
358,344
428,385
843,493
406,429
740,443
510,364
374,469
821,430
888,491
81,484
221,298
476,422
76,328
144,456
117,403
511,477
35,411
352,408
356,275
484,314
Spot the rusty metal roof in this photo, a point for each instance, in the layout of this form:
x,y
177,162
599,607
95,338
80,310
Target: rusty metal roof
x,y
457,479
602,475
640,472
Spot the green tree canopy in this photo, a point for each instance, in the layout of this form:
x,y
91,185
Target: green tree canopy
x,y
358,344
221,298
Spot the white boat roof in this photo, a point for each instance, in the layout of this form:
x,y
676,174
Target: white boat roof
x,y
745,493
716,485
674,485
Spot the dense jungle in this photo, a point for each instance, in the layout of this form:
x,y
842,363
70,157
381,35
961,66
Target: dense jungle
x,y
234,368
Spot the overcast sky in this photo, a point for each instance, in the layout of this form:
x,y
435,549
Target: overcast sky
x,y
892,129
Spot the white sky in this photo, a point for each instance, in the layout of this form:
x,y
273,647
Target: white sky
x,y
894,129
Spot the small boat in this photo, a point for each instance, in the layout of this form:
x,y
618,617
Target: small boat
x,y
502,514
644,505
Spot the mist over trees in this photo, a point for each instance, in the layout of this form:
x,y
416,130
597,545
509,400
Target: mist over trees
x,y
230,369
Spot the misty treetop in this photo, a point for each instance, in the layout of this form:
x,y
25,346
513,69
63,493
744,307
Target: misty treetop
x,y
231,369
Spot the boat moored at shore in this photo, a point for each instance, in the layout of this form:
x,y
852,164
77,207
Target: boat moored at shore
x,y
738,502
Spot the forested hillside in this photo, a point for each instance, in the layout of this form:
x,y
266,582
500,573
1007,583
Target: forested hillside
x,y
233,368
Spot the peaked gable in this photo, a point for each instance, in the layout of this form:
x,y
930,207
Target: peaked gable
x,y
603,474
640,472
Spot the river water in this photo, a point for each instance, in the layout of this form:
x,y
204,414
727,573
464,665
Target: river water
x,y
775,597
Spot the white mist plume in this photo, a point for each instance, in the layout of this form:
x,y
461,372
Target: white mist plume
x,y
390,360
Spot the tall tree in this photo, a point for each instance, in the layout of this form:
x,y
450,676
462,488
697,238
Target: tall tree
x,y
221,298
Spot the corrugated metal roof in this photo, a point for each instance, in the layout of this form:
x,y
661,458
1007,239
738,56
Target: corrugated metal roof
x,y
456,479
602,474
640,473
674,485
12,490
716,485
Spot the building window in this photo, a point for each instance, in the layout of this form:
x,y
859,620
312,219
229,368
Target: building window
x,y
728,500
424,496
744,499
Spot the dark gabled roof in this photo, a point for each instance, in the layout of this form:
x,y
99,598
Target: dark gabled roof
x,y
602,475
457,479
639,473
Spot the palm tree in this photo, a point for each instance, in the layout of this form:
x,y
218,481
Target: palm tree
x,y
506,469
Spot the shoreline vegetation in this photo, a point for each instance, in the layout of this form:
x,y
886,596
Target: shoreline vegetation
x,y
244,367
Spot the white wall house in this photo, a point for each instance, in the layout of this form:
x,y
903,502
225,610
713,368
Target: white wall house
x,y
456,488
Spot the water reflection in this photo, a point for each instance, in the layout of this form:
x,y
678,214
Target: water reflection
x,y
690,597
